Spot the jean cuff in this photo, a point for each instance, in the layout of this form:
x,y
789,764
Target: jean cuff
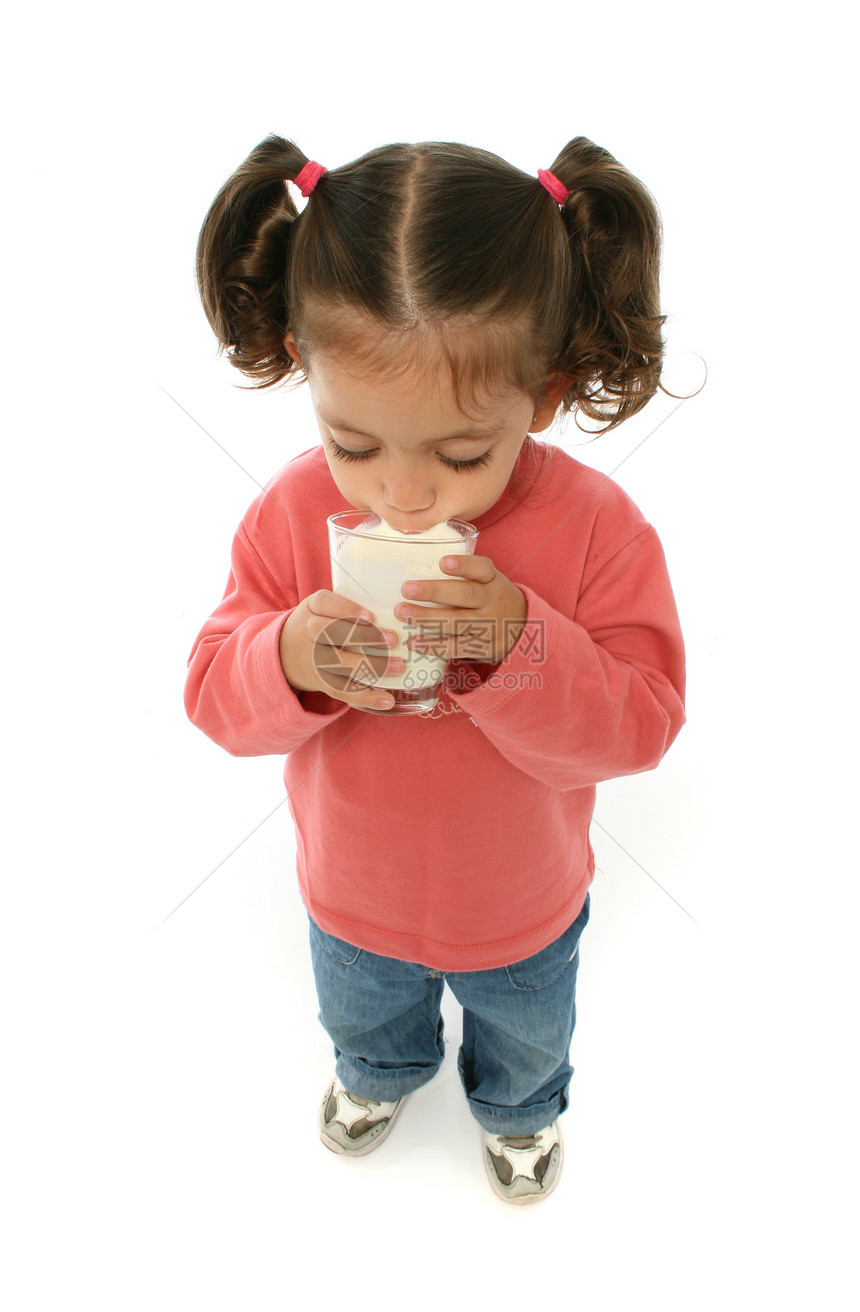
x,y
381,1085
518,1120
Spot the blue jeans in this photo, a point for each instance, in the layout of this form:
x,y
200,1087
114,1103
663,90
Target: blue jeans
x,y
383,1017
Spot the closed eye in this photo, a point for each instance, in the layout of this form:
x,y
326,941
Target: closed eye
x,y
475,463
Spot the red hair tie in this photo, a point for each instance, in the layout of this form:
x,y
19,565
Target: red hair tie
x,y
556,189
308,177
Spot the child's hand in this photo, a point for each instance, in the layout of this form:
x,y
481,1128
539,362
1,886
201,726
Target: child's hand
x,y
322,646
484,612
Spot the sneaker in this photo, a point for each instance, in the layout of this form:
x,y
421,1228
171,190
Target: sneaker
x,y
524,1168
353,1125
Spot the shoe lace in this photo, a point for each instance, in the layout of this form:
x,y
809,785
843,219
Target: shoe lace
x,y
520,1140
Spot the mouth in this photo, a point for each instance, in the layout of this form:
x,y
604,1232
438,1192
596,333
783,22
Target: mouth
x,y
411,527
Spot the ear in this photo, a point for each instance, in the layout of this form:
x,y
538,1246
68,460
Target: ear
x,y
292,348
554,389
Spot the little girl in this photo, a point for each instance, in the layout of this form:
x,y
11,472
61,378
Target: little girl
x,y
444,307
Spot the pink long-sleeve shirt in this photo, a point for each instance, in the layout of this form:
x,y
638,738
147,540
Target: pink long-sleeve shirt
x,y
458,839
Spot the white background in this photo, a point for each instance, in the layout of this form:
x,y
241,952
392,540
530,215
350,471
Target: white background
x,y
160,1080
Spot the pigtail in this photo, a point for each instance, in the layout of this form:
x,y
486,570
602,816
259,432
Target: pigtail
x,y
243,261
424,240
614,350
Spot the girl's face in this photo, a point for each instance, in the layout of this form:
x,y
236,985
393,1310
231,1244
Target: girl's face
x,y
403,449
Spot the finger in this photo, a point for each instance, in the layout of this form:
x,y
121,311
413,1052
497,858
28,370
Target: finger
x,y
477,570
480,568
334,663
353,636
345,623
458,637
357,620
444,592
332,605
360,695
353,677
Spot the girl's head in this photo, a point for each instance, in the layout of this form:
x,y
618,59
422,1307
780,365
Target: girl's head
x,y
442,270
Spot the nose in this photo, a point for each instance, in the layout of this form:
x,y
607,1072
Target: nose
x,y
407,493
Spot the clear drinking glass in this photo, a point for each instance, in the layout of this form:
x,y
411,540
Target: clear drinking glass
x,y
370,567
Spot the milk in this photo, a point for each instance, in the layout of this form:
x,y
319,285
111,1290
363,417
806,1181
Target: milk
x,y
371,571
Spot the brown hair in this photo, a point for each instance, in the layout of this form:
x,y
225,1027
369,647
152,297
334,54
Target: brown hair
x,y
434,240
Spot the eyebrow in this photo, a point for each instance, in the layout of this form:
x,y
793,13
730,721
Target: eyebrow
x,y
344,427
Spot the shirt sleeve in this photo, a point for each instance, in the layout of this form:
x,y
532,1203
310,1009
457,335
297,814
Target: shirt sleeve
x,y
595,695
236,691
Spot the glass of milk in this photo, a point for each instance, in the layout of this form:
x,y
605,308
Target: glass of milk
x,y
370,562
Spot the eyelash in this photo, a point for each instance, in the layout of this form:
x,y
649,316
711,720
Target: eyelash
x,y
459,465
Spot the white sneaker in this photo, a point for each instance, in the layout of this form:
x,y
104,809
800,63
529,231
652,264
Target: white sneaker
x,y
353,1125
524,1168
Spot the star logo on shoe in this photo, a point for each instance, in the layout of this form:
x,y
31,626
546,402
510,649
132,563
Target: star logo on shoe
x,y
524,1168
521,1161
353,1125
349,1113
